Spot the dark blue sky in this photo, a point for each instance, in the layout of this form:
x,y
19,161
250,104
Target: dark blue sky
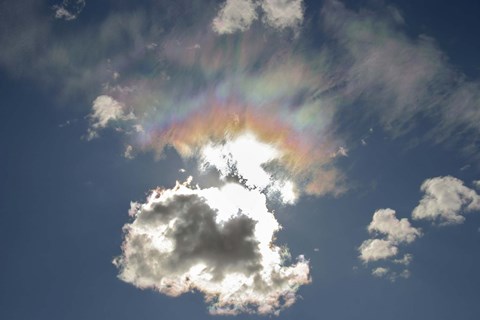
x,y
66,199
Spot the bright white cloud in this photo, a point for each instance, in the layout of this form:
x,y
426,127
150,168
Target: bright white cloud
x,y
281,14
105,109
235,15
245,158
69,9
445,200
397,231
218,241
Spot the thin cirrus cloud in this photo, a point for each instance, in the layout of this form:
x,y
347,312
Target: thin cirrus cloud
x,y
218,241
238,15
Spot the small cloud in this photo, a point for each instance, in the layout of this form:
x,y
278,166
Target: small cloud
x,y
342,151
238,15
380,272
445,200
235,15
128,154
65,124
393,232
105,110
69,9
316,249
281,14
406,260
377,249
397,231
364,142
465,167
182,170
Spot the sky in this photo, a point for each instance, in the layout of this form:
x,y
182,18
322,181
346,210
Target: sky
x,y
244,159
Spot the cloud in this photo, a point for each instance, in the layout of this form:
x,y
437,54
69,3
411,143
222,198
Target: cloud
x,y
377,249
106,110
380,272
235,15
281,14
69,9
406,260
398,78
445,200
218,241
247,159
238,15
476,184
385,222
393,232
128,153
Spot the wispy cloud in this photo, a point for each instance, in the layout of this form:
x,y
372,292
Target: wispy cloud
x,y
69,9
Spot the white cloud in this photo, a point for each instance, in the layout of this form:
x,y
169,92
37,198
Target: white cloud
x,y
377,249
238,15
69,9
218,241
105,109
397,231
394,232
445,200
235,15
245,158
281,14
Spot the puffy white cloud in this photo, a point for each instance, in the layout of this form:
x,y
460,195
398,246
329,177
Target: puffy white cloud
x,y
377,249
281,14
445,200
235,15
397,231
393,232
238,15
69,9
105,109
218,241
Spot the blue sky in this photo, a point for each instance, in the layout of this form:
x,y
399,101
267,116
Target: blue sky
x,y
360,136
